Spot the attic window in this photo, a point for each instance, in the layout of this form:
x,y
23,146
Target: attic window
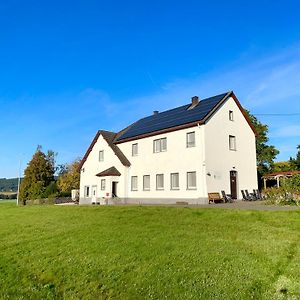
x,y
230,115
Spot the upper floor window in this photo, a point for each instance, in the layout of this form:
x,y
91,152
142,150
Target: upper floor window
x,y
160,181
191,181
174,181
102,184
134,183
231,115
232,142
160,145
134,149
146,182
190,139
101,155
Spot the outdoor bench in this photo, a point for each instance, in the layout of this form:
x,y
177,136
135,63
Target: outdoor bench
x,y
213,197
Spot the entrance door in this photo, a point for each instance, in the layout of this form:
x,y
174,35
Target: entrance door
x,y
233,184
94,191
114,189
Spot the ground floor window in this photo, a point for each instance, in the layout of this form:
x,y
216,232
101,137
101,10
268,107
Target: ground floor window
x,y
191,181
174,181
134,183
146,182
102,184
86,191
160,181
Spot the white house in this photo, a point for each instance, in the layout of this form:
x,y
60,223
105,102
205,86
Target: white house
x,y
176,155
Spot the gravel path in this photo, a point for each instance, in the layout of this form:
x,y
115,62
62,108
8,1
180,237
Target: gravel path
x,y
248,205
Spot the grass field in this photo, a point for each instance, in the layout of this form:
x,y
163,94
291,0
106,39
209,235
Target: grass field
x,y
71,252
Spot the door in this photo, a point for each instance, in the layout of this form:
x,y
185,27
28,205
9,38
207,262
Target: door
x,y
114,189
233,184
94,192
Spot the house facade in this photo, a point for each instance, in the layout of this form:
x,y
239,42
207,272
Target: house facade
x,y
177,155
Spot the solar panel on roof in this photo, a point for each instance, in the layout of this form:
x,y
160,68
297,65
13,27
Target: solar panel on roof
x,y
174,117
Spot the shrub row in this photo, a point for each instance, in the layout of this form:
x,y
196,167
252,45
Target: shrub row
x,y
49,201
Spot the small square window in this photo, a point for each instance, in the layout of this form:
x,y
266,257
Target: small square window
x,y
190,139
101,155
134,183
232,142
231,115
134,149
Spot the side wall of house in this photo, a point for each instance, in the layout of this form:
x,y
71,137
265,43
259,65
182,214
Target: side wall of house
x,y
220,160
178,158
93,166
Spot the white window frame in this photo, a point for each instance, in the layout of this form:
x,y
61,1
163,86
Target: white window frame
x,y
232,143
172,186
87,190
134,183
160,145
231,115
189,185
161,187
188,143
101,155
103,183
135,149
146,188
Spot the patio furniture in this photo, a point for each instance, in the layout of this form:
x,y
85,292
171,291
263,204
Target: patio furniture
x,y
250,196
213,197
226,197
244,196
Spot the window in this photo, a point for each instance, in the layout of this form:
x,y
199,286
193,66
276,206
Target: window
x,y
102,184
232,142
86,191
160,181
174,181
231,115
190,139
134,183
101,155
134,149
146,182
191,181
160,145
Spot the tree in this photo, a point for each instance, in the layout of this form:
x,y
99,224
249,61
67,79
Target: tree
x,y
69,177
38,175
265,154
295,162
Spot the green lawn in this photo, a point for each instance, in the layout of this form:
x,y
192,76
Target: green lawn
x,y
71,252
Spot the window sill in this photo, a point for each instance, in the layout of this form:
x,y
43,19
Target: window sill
x,y
175,189
160,189
191,189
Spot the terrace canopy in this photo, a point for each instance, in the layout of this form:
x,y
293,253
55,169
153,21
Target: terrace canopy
x,y
277,176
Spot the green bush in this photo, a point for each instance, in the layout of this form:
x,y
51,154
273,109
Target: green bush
x,y
287,194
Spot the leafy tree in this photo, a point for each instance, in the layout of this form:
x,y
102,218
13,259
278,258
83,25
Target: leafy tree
x,y
265,154
295,162
38,175
281,166
69,177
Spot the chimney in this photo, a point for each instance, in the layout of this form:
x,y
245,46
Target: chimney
x,y
155,112
195,102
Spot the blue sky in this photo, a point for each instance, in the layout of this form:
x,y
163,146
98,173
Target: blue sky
x,y
69,68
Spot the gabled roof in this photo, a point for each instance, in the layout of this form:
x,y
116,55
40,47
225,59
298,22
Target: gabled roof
x,y
109,138
112,171
177,118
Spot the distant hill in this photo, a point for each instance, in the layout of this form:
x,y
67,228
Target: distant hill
x,y
8,185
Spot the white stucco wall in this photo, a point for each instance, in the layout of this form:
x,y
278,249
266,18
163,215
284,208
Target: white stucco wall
x,y
93,166
220,160
177,159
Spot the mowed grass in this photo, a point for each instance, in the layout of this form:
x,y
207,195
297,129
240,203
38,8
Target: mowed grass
x,y
71,252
